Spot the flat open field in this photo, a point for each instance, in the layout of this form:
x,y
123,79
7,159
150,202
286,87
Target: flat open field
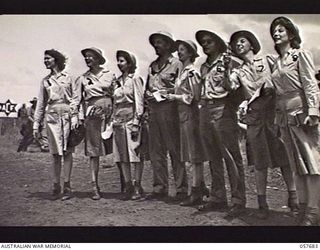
x,y
25,187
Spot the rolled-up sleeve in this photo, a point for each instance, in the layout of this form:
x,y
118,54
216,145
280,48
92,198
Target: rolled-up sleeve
x,y
75,105
41,106
138,90
194,86
232,82
309,83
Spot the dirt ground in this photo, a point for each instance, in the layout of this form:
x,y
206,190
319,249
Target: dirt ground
x,y
25,188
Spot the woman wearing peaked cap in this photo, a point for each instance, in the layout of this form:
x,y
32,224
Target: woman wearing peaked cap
x,y
94,89
253,77
187,94
297,114
127,112
218,126
56,101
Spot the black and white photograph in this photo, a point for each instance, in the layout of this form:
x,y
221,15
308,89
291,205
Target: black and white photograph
x,y
159,120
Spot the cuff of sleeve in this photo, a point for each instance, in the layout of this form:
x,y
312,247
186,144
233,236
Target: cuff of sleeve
x,y
136,122
313,111
36,125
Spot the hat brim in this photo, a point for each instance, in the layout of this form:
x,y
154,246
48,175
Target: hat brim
x,y
251,37
128,57
293,28
217,38
169,39
178,42
101,59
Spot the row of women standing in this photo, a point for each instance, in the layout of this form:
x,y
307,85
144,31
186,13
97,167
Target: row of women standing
x,y
193,116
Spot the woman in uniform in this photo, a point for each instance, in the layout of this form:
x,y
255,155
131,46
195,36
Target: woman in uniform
x,y
94,89
297,114
187,94
55,100
127,113
253,78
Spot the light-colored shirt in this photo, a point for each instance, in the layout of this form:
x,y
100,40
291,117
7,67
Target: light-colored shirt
x,y
213,80
130,91
165,77
91,85
296,72
251,76
54,89
188,84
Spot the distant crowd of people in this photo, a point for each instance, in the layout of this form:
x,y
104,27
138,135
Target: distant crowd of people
x,y
192,115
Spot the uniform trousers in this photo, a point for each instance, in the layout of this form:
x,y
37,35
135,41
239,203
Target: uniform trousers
x,y
219,138
163,138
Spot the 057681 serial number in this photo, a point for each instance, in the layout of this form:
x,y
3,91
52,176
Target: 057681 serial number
x,y
308,245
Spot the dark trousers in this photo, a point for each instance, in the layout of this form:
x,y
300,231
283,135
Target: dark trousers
x,y
219,138
26,132
164,138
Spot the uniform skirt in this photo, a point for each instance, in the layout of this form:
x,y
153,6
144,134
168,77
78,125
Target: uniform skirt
x,y
303,148
58,124
95,124
302,142
124,148
190,146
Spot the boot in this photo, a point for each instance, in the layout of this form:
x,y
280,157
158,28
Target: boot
x,y
204,190
128,191
96,191
56,191
67,193
302,211
195,197
311,217
138,191
263,212
293,203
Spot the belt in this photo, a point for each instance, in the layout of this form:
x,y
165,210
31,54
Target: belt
x,y
213,101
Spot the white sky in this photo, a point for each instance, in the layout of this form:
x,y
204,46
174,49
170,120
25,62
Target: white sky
x,y
24,38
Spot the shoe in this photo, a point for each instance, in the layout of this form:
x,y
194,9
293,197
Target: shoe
x,y
180,196
67,193
212,206
293,203
311,217
204,190
194,199
157,196
138,191
96,191
263,213
128,191
56,191
236,210
301,213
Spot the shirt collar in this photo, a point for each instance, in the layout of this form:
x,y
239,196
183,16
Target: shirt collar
x,y
103,71
207,64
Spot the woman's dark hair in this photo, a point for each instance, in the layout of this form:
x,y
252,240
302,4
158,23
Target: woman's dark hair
x,y
59,58
129,60
290,27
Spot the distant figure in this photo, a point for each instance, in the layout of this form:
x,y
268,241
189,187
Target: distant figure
x,y
27,118
26,129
